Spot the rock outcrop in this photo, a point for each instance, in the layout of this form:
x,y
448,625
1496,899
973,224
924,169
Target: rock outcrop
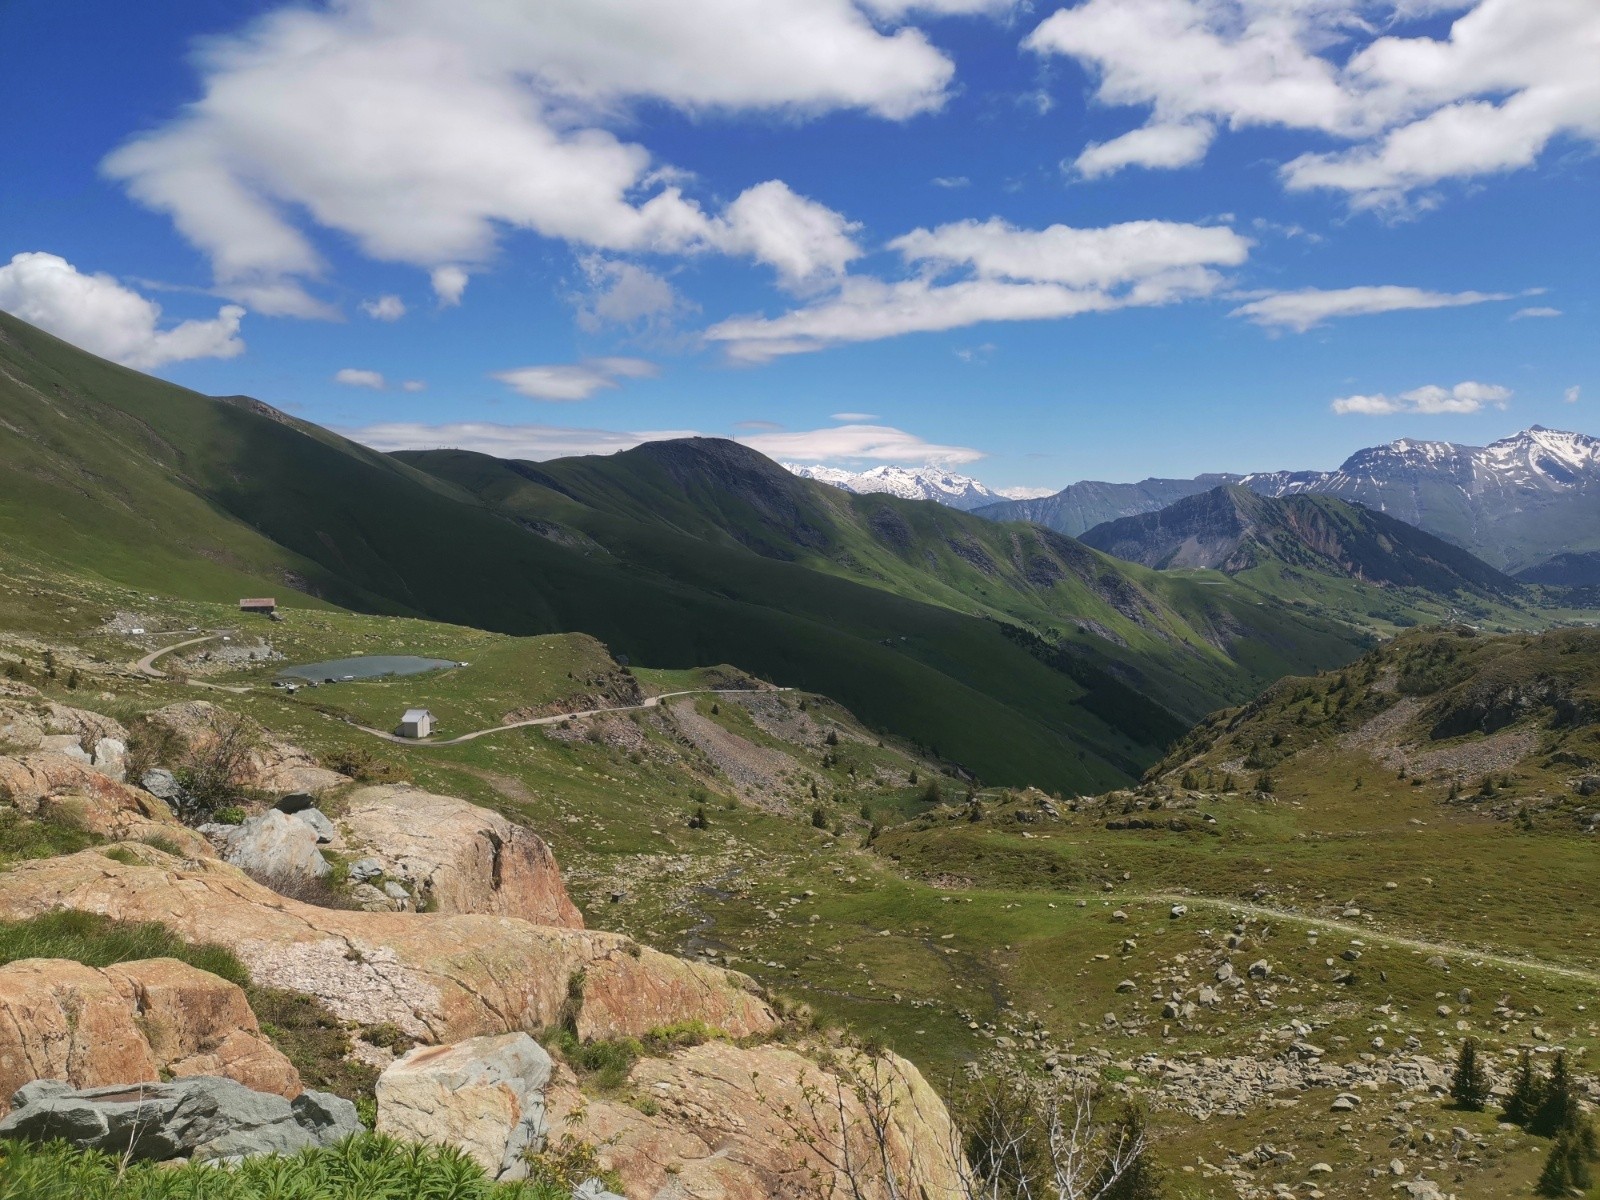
x,y
736,1123
439,977
456,857
271,765
484,1096
130,1023
203,1117
46,784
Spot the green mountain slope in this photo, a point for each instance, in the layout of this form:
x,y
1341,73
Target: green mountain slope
x,y
140,482
706,510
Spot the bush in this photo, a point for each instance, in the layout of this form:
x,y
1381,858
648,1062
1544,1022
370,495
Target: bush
x,y
366,1167
365,767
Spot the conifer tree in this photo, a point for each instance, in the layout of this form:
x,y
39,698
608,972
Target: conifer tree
x,y
1526,1093
1557,1111
1469,1087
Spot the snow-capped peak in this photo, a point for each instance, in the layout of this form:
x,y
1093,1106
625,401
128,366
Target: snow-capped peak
x,y
930,482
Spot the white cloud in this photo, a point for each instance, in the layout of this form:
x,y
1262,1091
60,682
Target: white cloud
x,y
449,284
1428,400
574,381
804,241
626,294
1571,394
1541,311
901,8
98,314
1301,310
1179,144
879,443
1511,77
356,377
505,441
866,310
1105,257
854,418
384,308
951,181
414,385
422,129
1016,275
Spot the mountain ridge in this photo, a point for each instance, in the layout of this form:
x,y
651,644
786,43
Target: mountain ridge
x,y
1514,503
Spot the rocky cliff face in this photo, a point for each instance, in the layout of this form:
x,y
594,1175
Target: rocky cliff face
x,y
132,1023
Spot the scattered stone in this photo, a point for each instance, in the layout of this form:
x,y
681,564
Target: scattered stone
x,y
201,1117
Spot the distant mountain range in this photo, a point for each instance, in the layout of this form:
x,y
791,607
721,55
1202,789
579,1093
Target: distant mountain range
x,y
1235,530
1516,503
917,483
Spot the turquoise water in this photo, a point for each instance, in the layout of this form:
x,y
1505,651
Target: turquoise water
x,y
366,666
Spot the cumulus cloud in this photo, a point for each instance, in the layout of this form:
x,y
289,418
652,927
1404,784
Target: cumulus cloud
x,y
1011,275
356,377
805,242
1179,144
1308,307
1511,77
1428,400
574,381
1539,311
100,315
422,129
536,442
625,294
878,443
384,308
449,284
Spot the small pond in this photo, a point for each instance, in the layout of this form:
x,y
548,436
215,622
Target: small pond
x,y
366,666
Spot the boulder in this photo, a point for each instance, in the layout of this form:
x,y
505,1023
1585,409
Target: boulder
x,y
484,1096
457,857
439,977
202,1117
735,1122
44,723
272,845
130,1023
320,825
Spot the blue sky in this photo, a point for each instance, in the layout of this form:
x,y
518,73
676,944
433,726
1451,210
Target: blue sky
x,y
1038,243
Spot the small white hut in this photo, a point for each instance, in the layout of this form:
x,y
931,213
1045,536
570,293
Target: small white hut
x,y
417,723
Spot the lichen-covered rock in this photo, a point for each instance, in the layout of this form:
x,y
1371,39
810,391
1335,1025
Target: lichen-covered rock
x,y
736,1123
37,725
456,856
484,1096
202,1117
440,977
120,813
130,1023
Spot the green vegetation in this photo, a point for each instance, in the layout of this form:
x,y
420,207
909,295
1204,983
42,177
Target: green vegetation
x,y
361,1168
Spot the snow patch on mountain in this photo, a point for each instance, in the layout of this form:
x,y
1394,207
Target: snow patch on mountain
x,y
917,483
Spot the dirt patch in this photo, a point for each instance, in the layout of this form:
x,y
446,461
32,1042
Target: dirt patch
x,y
759,775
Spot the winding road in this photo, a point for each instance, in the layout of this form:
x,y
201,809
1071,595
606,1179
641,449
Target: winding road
x,y
147,666
557,718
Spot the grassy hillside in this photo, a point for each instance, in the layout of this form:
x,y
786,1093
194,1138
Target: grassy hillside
x,y
956,922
